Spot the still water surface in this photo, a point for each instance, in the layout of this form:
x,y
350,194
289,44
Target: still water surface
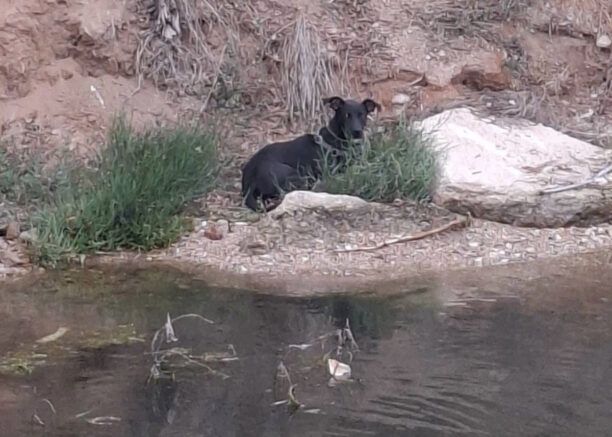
x,y
522,354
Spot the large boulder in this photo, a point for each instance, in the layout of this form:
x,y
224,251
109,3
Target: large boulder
x,y
497,169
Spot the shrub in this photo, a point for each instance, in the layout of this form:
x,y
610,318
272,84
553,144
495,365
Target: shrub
x,y
25,181
397,163
132,200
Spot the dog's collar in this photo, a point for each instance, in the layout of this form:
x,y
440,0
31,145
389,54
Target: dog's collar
x,y
324,144
328,147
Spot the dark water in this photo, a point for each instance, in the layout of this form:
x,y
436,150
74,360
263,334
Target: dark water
x,y
527,354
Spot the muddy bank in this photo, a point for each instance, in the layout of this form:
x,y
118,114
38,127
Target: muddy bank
x,y
382,281
315,252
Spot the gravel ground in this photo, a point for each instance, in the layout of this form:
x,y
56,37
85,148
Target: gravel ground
x,y
307,243
306,246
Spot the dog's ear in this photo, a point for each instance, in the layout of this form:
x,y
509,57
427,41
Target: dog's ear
x,y
334,102
370,105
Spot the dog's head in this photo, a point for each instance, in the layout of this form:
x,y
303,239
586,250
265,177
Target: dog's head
x,y
350,116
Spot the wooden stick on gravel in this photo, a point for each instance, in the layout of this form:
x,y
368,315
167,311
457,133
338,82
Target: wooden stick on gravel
x,y
459,223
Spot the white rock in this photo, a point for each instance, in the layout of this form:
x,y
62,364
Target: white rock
x,y
307,200
603,41
400,99
496,170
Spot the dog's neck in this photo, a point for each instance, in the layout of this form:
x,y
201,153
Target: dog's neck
x,y
334,136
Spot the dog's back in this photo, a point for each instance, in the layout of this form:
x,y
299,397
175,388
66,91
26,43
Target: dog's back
x,y
277,165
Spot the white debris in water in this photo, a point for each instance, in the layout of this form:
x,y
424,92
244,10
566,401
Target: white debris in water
x,y
52,337
338,370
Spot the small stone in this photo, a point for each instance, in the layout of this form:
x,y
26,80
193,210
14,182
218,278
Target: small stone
x,y
223,224
12,231
28,236
400,99
213,232
604,41
427,57
474,244
67,74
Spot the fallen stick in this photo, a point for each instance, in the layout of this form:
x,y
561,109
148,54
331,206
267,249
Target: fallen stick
x,y
575,186
458,223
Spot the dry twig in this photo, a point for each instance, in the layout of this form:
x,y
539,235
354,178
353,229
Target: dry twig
x,y
458,223
593,179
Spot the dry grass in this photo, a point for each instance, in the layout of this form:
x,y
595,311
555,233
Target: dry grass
x,y
450,18
177,51
573,102
574,17
197,47
208,48
306,74
538,105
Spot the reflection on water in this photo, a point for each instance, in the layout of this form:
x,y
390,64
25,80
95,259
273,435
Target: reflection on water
x,y
532,357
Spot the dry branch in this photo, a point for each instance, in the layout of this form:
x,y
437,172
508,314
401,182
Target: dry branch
x,y
458,223
593,179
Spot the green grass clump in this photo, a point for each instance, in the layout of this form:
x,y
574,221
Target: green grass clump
x,y
25,181
397,163
133,199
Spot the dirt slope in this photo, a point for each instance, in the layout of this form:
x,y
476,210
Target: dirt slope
x,y
67,65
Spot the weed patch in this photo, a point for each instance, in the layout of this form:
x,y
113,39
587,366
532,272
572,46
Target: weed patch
x,y
133,199
397,163
26,182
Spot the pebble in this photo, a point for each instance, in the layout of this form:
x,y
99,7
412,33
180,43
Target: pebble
x,y
400,99
604,41
12,230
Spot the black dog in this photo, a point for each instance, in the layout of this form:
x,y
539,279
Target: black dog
x,y
295,165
